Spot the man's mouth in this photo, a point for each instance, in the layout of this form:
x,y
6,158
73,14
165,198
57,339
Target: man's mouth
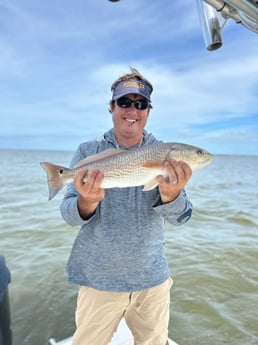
x,y
130,121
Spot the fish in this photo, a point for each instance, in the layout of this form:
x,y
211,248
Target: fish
x,y
128,168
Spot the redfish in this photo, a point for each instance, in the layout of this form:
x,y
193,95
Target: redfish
x,y
128,168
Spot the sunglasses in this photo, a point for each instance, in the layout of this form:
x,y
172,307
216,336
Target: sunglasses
x,y
139,104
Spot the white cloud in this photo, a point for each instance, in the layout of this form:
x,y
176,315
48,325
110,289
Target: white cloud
x,y
58,62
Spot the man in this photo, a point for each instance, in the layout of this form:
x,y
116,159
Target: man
x,y
118,255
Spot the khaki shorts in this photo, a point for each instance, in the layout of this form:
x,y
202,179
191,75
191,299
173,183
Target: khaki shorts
x,y
146,313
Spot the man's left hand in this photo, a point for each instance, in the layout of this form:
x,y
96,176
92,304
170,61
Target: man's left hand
x,y
179,174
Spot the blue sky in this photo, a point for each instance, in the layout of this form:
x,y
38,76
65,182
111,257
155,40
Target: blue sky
x,y
59,58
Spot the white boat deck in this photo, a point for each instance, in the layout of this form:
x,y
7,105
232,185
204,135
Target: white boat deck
x,y
123,336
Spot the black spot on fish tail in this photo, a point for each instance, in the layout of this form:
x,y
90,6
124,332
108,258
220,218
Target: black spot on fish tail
x,y
54,177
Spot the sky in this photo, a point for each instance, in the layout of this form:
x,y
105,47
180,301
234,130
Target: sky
x,y
59,58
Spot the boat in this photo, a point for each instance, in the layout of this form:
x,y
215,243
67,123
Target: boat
x,y
213,15
123,336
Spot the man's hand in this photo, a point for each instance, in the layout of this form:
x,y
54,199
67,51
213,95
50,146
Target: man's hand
x,y
90,191
179,174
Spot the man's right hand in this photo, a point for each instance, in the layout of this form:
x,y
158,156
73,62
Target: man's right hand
x,y
90,191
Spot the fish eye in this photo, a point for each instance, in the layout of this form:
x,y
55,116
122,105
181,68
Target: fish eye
x,y
199,152
61,171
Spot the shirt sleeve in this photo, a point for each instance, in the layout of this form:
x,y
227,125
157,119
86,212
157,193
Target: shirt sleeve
x,y
176,212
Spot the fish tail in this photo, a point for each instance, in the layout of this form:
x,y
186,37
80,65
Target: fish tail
x,y
55,178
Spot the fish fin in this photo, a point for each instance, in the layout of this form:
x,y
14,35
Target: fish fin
x,y
151,185
153,165
156,165
54,177
99,156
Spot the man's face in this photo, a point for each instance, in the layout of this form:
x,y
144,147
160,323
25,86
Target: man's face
x,y
129,121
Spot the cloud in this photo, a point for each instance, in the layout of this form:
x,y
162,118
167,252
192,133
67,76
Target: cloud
x,y
58,62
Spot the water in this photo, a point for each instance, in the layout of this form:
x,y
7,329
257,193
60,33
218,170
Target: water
x,y
213,258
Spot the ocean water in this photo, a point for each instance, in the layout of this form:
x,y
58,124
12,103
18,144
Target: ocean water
x,y
213,258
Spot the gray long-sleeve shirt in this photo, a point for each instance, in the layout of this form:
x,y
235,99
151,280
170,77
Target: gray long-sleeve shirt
x,y
121,246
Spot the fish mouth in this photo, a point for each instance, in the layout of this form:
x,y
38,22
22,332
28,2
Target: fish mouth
x,y
207,159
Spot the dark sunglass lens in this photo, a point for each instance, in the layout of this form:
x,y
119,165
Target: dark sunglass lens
x,y
140,104
124,102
